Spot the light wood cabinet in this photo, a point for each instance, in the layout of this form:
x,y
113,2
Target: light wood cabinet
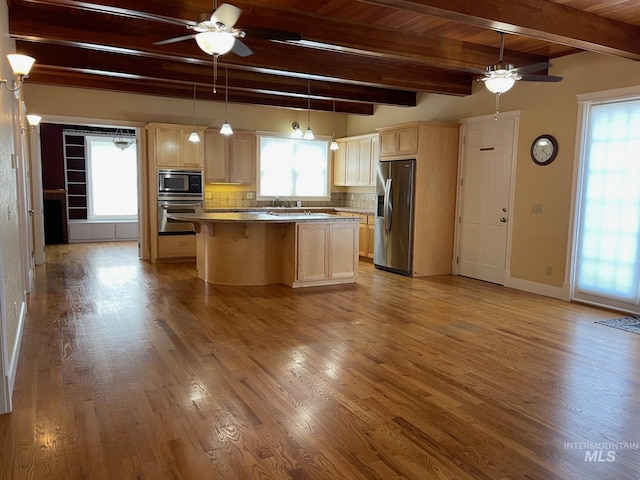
x,y
355,162
326,253
366,233
400,141
230,159
176,247
169,146
435,149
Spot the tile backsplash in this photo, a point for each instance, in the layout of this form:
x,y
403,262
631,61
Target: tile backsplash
x,y
364,201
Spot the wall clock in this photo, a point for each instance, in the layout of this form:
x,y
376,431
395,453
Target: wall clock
x,y
544,149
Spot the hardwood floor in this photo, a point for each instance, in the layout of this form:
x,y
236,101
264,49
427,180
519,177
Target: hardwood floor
x,y
130,370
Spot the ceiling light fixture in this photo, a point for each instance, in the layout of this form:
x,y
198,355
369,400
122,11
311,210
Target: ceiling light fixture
x,y
297,131
120,141
215,43
21,66
226,128
308,134
334,145
194,137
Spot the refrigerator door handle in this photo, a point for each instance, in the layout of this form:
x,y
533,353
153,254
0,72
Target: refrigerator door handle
x,y
388,206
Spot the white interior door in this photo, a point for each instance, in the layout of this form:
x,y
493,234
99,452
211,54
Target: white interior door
x,y
484,199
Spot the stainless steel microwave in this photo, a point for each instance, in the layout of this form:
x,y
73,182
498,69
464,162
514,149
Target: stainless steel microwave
x,y
180,185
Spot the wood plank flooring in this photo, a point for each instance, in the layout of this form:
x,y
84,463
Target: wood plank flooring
x,y
130,370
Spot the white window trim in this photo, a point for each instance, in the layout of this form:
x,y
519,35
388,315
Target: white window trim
x,y
585,102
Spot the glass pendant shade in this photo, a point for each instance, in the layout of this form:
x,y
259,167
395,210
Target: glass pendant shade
x,y
20,64
226,129
334,145
215,43
308,134
34,120
194,137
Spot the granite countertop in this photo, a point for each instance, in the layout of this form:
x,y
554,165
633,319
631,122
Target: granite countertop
x,y
360,211
254,216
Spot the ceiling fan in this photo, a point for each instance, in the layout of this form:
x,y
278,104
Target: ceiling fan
x,y
499,78
216,34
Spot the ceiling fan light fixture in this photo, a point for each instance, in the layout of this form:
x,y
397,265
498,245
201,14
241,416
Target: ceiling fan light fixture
x,y
500,81
215,43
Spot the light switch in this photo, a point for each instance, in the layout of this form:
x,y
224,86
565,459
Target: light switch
x,y
536,208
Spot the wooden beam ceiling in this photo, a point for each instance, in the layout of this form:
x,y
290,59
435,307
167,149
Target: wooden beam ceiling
x,y
358,54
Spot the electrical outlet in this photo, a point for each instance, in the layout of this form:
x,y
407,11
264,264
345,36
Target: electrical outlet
x,y
207,195
549,270
536,208
249,195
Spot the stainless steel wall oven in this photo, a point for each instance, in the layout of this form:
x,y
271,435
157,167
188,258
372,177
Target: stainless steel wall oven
x,y
179,191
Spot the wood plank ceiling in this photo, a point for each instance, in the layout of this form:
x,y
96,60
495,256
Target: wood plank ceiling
x,y
358,54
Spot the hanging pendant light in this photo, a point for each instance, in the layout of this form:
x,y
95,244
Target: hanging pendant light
x,y
194,137
308,134
334,145
226,127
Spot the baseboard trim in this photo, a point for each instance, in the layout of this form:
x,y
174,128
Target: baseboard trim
x,y
10,378
537,288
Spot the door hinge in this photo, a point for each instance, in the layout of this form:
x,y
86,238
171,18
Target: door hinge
x,y
461,181
459,219
457,260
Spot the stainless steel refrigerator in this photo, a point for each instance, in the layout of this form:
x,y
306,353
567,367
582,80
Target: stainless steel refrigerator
x,y
393,246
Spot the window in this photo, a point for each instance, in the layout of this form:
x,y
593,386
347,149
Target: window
x,y
293,168
607,269
112,181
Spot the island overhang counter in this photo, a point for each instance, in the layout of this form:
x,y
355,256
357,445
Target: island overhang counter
x,y
296,249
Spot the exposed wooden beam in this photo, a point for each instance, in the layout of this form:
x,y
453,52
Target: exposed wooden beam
x,y
55,24
542,19
157,87
176,71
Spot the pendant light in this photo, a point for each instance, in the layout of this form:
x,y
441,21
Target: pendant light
x,y
226,128
334,145
308,135
194,137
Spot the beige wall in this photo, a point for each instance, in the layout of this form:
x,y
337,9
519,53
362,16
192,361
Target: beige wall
x,y
12,291
538,240
85,103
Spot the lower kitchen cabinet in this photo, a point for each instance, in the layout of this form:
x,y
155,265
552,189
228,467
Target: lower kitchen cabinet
x,y
176,247
326,252
366,236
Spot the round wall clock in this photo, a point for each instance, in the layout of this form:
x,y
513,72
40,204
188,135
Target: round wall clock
x,y
544,149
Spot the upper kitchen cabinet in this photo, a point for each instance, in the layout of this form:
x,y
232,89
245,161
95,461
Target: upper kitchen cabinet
x,y
230,159
354,164
399,141
169,146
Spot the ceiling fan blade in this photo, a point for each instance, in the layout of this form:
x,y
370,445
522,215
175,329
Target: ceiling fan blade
x,y
174,40
240,49
541,78
226,14
271,34
535,67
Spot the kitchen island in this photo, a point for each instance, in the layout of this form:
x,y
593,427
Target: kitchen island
x,y
298,249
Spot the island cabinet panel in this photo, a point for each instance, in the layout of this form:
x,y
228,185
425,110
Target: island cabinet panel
x,y
169,146
326,253
230,159
343,254
313,252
